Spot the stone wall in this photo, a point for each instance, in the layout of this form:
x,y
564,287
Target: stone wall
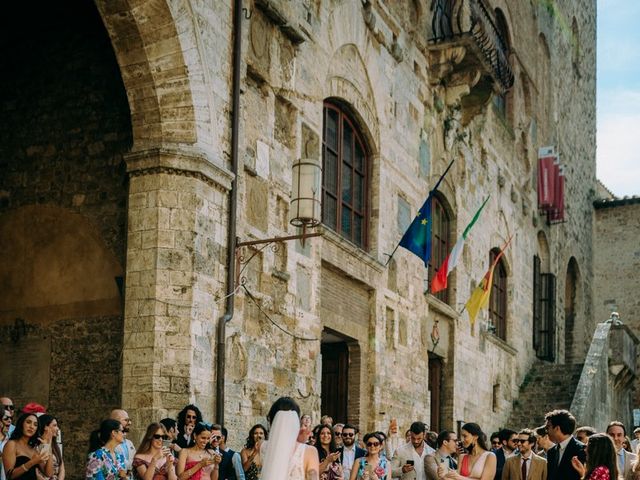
x,y
380,70
616,261
374,61
64,126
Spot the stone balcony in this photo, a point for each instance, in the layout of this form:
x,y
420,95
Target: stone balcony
x,y
622,354
468,54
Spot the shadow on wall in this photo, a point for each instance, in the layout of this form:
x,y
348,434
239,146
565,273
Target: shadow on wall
x,y
60,320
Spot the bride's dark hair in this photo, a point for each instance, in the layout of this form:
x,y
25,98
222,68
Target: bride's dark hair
x,y
284,404
474,429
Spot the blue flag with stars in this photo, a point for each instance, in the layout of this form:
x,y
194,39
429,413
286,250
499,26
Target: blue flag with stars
x,y
417,238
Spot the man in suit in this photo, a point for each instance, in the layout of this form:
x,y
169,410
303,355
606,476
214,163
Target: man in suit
x,y
447,444
408,461
618,433
526,465
349,452
507,447
560,425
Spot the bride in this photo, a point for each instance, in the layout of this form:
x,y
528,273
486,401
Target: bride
x,y
284,457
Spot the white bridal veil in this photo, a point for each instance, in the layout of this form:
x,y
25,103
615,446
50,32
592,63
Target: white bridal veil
x,y
281,446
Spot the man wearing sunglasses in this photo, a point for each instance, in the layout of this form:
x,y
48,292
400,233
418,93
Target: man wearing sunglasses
x,y
526,465
188,417
349,452
126,448
8,409
231,462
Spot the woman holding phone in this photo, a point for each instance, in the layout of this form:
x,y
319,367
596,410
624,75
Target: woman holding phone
x,y
373,466
48,434
328,454
153,460
193,462
20,457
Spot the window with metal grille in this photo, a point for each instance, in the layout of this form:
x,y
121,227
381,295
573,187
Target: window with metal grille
x,y
440,243
498,298
345,173
544,312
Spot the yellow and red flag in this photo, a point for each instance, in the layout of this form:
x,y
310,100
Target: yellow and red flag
x,y
480,296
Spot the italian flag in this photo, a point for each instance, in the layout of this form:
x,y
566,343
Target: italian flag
x,y
440,280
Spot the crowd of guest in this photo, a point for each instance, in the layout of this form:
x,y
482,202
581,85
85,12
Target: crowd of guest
x,y
189,448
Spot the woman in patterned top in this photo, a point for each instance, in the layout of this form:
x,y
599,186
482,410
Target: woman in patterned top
x,y
48,433
153,460
104,463
601,459
373,466
250,454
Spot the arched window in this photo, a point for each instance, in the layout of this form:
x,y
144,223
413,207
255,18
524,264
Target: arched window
x,y
345,174
440,243
498,299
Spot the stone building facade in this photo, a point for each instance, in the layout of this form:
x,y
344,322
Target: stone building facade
x,y
616,262
116,171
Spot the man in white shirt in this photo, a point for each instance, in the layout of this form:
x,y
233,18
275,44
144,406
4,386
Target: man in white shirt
x,y
408,460
350,451
636,440
618,434
126,447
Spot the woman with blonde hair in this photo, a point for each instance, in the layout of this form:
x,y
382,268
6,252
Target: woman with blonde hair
x,y
153,460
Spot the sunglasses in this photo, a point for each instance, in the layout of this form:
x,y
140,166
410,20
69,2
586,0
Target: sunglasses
x,y
216,437
348,434
120,430
9,407
158,437
518,440
193,417
373,444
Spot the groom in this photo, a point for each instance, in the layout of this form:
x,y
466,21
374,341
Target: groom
x,y
560,425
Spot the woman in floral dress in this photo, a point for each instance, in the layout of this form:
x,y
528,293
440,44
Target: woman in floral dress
x,y
372,466
104,463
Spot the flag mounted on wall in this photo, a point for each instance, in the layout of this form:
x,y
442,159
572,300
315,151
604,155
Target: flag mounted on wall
x,y
439,282
417,238
480,296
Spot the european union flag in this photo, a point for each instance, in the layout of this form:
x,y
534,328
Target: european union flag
x,y
417,238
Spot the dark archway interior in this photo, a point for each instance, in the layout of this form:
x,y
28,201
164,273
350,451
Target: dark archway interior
x,y
64,128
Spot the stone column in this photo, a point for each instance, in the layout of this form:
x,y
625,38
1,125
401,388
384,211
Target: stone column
x,y
175,280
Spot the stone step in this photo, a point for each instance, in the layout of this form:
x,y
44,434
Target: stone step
x,y
546,387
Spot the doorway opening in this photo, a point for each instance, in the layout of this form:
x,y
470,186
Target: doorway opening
x,y
340,395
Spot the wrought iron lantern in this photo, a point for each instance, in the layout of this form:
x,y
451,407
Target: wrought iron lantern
x,y
306,207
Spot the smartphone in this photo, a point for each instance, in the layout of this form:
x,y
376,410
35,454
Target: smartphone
x,y
410,462
166,443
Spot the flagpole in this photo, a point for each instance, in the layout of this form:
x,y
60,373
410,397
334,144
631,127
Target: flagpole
x,y
430,192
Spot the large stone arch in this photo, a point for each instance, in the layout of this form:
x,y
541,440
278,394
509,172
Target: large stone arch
x,y
156,76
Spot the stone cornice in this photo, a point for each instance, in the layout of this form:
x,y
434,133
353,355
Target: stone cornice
x,y
185,161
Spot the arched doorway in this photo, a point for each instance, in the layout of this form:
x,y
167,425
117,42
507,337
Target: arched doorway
x,y
570,309
65,126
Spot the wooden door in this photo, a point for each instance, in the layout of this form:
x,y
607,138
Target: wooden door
x,y
335,372
435,388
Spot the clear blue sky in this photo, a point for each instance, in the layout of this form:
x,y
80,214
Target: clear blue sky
x,y
618,103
